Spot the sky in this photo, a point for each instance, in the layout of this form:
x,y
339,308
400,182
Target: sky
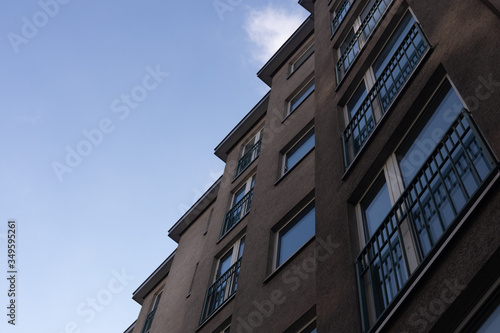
x,y
110,111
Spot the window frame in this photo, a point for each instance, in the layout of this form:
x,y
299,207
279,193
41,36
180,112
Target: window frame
x,y
253,141
285,169
336,12
302,56
418,245
376,98
302,94
291,222
156,301
248,186
236,254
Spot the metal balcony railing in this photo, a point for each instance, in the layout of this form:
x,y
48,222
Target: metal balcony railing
x,y
443,189
235,214
248,158
341,14
221,290
149,321
360,37
378,100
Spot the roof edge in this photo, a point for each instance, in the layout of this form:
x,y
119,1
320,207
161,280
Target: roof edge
x,y
303,32
251,118
196,209
159,274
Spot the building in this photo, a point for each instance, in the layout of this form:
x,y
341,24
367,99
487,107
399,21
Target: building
x,y
361,194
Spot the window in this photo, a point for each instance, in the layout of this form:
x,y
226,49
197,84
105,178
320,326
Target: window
x,y
151,315
296,63
339,14
418,146
426,183
250,151
298,151
382,84
348,51
366,123
240,205
225,279
371,15
301,96
375,206
295,234
226,330
359,34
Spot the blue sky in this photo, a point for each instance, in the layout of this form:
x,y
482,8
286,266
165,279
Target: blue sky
x,y
110,112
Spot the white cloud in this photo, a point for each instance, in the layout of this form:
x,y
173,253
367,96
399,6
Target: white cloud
x,y
270,27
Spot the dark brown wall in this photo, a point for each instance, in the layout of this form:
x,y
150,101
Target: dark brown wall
x,y
465,47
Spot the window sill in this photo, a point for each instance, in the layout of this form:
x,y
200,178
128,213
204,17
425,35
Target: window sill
x,y
295,254
298,162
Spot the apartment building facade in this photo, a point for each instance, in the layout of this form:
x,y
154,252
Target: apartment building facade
x,y
361,193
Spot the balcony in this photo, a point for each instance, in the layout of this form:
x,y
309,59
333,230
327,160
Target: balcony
x,y
221,291
341,13
441,192
364,31
248,158
239,210
385,90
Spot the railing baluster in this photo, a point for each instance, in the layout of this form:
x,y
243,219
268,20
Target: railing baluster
x,y
357,40
341,13
248,158
235,214
412,203
382,92
220,291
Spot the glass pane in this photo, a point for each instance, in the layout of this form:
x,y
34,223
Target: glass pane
x,y
295,102
303,58
299,150
239,195
348,52
445,108
248,147
364,117
492,324
376,206
356,100
242,246
390,48
296,234
224,263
